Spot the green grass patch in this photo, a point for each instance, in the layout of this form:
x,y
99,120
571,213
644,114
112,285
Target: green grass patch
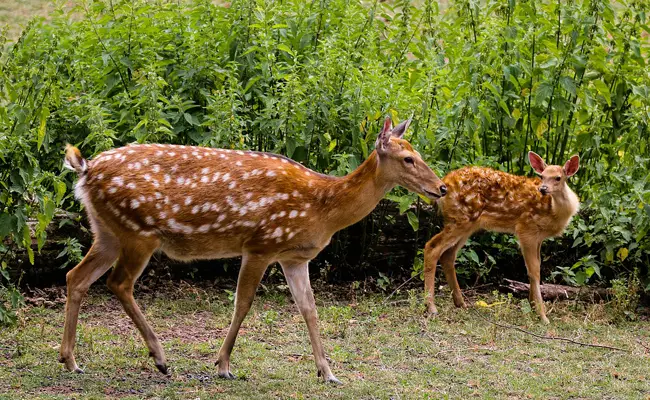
x,y
378,350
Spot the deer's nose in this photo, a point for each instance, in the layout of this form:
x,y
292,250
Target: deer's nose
x,y
543,189
443,190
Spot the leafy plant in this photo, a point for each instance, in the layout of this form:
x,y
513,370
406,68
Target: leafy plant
x,y
484,82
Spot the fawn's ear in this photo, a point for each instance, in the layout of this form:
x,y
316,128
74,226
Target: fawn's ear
x,y
400,129
536,162
571,166
383,140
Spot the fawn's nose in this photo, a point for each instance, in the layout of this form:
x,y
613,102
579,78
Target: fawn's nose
x,y
443,190
543,189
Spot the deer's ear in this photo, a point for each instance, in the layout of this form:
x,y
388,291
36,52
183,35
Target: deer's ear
x,y
400,129
571,166
383,140
536,162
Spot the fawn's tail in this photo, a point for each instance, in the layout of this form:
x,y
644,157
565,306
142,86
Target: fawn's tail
x,y
74,160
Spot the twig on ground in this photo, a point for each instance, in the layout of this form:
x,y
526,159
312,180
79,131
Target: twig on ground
x,y
398,288
643,345
545,337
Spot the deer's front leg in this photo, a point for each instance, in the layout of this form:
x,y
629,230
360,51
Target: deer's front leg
x,y
531,251
297,275
250,275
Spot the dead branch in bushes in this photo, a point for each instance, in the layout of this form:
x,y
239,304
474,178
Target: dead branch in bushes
x,y
561,292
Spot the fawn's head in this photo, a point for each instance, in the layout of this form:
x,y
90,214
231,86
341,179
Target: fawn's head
x,y
403,166
553,176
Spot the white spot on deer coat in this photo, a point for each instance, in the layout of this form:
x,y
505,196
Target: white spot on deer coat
x,y
149,220
188,200
203,228
135,204
118,180
131,185
293,214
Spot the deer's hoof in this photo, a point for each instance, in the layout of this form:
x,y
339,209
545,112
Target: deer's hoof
x,y
226,375
431,312
70,365
163,368
333,380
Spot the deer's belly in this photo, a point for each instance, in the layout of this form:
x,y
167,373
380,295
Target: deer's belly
x,y
200,247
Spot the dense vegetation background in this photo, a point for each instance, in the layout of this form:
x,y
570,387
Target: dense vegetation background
x,y
485,81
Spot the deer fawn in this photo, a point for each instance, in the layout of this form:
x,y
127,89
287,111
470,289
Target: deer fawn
x,y
203,203
483,198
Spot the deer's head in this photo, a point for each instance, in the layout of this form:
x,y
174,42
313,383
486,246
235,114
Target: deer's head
x,y
403,166
554,177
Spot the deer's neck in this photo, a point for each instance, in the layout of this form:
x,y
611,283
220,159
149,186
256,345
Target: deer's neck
x,y
565,203
354,196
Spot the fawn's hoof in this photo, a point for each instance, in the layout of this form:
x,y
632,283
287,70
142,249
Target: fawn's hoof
x,y
431,312
226,375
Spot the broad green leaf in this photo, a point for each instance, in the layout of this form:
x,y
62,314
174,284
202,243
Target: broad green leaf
x,y
603,90
286,48
41,127
59,188
7,222
413,220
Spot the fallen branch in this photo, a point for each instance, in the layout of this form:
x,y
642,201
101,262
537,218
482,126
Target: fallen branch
x,y
545,337
562,292
398,288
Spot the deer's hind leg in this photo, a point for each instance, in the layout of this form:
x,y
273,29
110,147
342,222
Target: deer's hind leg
x,y
434,249
134,257
447,261
102,254
297,275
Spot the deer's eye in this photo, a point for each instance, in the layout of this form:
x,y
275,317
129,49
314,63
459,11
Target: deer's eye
x,y
558,178
409,160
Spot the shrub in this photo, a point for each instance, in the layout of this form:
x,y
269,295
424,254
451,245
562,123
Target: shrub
x,y
484,81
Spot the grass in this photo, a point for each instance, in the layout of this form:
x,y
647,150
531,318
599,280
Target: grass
x,y
378,350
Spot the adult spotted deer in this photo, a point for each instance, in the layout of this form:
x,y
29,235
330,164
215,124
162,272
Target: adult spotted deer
x,y
202,203
482,198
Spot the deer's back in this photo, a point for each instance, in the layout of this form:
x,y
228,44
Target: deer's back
x,y
201,202
495,199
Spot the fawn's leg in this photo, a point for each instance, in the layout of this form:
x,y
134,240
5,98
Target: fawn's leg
x,y
100,257
531,251
250,275
134,257
297,276
433,250
447,261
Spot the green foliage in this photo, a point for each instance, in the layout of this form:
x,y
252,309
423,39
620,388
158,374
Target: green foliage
x,y
10,298
485,82
625,296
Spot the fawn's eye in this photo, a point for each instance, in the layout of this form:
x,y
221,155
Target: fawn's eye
x,y
409,160
558,178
